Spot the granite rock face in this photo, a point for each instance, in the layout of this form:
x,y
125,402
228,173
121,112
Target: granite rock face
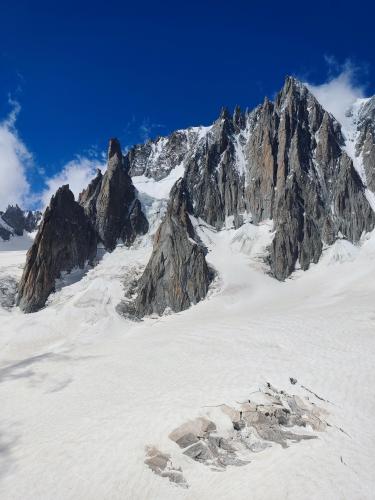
x,y
214,181
110,202
107,211
5,233
17,221
88,197
365,144
15,218
318,194
287,160
157,158
65,240
284,161
177,274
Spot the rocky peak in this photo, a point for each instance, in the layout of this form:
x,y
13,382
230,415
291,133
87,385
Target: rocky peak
x,y
65,240
114,150
17,221
224,114
296,104
179,204
295,171
239,118
15,218
364,137
367,111
62,200
314,174
177,274
292,89
88,197
110,202
32,220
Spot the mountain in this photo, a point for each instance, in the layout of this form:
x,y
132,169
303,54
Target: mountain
x,y
288,161
67,238
230,371
111,203
177,274
14,221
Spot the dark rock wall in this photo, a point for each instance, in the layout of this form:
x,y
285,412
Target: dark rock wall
x,y
177,274
65,240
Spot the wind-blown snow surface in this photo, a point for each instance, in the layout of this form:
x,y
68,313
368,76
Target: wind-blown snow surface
x,y
83,391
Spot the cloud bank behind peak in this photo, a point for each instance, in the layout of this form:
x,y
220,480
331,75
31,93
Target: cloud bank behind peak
x,y
340,91
15,160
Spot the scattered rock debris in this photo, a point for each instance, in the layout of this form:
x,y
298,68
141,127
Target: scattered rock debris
x,y
8,291
255,427
161,464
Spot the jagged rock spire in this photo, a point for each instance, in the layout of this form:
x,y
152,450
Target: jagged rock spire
x,y
224,113
114,149
177,274
111,204
65,240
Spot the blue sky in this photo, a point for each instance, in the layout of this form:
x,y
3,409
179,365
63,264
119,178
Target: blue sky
x,y
73,74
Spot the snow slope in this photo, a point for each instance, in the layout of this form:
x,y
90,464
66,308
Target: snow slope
x,y
351,134
84,391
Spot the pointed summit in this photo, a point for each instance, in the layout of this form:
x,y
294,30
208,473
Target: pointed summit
x,y
110,202
291,82
224,113
177,274
239,117
114,148
65,240
179,200
292,88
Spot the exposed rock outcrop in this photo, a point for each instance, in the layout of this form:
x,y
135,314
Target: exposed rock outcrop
x,y
5,233
177,274
284,161
65,240
157,158
365,146
281,419
110,202
161,464
318,194
17,221
15,218
214,182
89,196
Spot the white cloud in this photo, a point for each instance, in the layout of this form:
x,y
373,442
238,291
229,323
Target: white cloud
x,y
15,159
77,173
341,89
